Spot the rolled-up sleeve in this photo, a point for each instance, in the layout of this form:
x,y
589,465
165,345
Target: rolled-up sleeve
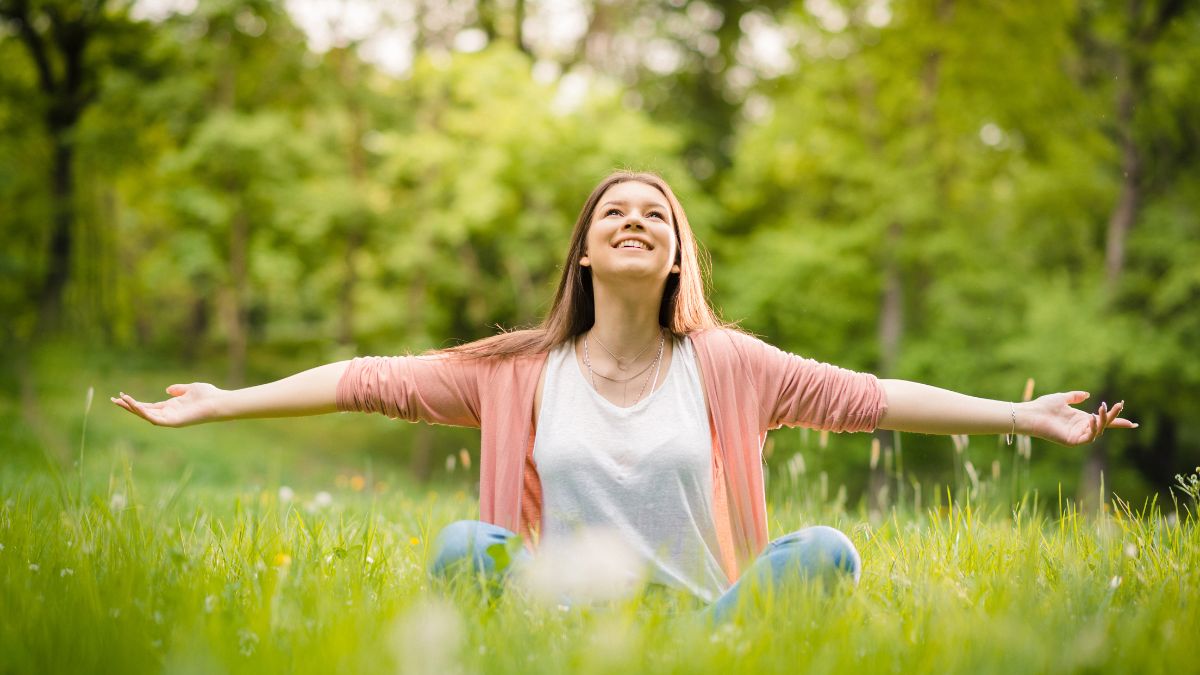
x,y
797,391
438,388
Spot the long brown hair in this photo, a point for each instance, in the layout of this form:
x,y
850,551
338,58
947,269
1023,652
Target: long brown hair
x,y
684,308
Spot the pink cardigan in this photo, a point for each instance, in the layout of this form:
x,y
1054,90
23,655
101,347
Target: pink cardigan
x,y
751,387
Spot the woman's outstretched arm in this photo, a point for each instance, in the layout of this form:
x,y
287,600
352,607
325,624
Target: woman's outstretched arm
x,y
929,410
312,392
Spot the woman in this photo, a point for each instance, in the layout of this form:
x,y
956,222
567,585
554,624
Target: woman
x,y
633,407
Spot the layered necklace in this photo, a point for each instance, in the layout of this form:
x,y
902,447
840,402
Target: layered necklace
x,y
625,364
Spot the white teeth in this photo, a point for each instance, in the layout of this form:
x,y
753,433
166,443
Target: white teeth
x,y
632,243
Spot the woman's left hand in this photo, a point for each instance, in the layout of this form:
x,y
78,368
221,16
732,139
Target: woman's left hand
x,y
1053,418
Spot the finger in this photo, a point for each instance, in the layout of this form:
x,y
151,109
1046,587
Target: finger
x,y
1102,413
131,404
177,389
1074,397
1115,412
137,408
1094,425
1122,423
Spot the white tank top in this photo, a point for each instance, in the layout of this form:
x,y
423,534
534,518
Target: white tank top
x,y
644,472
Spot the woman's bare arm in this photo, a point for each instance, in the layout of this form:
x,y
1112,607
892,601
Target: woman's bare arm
x,y
929,410
311,392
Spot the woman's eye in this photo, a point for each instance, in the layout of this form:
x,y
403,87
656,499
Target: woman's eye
x,y
611,212
655,214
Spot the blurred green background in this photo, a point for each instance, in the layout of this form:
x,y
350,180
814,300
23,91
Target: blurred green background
x,y
968,194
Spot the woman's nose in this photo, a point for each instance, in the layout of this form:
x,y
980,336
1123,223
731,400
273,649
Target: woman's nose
x,y
632,223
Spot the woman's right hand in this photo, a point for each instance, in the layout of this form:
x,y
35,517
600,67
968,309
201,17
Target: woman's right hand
x,y
189,404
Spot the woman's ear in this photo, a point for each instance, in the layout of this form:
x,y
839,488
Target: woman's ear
x,y
585,261
675,269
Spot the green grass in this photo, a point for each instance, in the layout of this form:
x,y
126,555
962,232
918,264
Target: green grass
x,y
201,578
173,550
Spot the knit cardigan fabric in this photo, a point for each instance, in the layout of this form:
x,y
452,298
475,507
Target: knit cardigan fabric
x,y
750,386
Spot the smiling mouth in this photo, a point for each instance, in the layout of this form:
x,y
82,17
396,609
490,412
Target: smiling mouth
x,y
633,243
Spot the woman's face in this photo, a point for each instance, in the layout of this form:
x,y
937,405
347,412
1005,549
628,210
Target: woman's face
x,y
632,235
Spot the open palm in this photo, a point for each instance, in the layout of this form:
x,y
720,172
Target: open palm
x,y
189,404
1056,420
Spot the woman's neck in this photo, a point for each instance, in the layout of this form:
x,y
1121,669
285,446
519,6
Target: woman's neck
x,y
625,323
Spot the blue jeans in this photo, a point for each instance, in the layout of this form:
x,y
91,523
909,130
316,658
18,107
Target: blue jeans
x,y
813,553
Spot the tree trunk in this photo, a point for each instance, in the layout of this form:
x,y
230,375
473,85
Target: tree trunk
x,y
53,39
345,335
485,11
891,310
420,462
1140,34
235,297
519,26
891,330
61,243
355,233
197,322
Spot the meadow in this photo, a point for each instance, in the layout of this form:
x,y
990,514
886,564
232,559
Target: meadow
x,y
302,546
169,576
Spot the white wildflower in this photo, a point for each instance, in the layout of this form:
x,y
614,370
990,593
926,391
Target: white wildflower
x,y
66,572
1114,582
427,637
1131,550
247,642
594,565
210,603
370,560
612,643
116,502
323,499
286,494
33,567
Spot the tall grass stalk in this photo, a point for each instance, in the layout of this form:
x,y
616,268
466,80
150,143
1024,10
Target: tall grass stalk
x,y
87,410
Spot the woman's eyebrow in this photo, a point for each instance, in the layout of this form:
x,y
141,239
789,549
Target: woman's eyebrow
x,y
622,202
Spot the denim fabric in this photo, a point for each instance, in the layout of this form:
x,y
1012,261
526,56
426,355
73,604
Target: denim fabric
x,y
468,541
811,554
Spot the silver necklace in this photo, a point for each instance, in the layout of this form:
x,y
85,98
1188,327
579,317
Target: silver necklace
x,y
620,365
587,361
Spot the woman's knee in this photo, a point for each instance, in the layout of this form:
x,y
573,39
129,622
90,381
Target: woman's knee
x,y
820,551
466,542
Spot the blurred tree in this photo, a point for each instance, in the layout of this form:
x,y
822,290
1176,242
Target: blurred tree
x,y
919,154
1124,44
688,63
240,158
956,193
233,177
59,39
